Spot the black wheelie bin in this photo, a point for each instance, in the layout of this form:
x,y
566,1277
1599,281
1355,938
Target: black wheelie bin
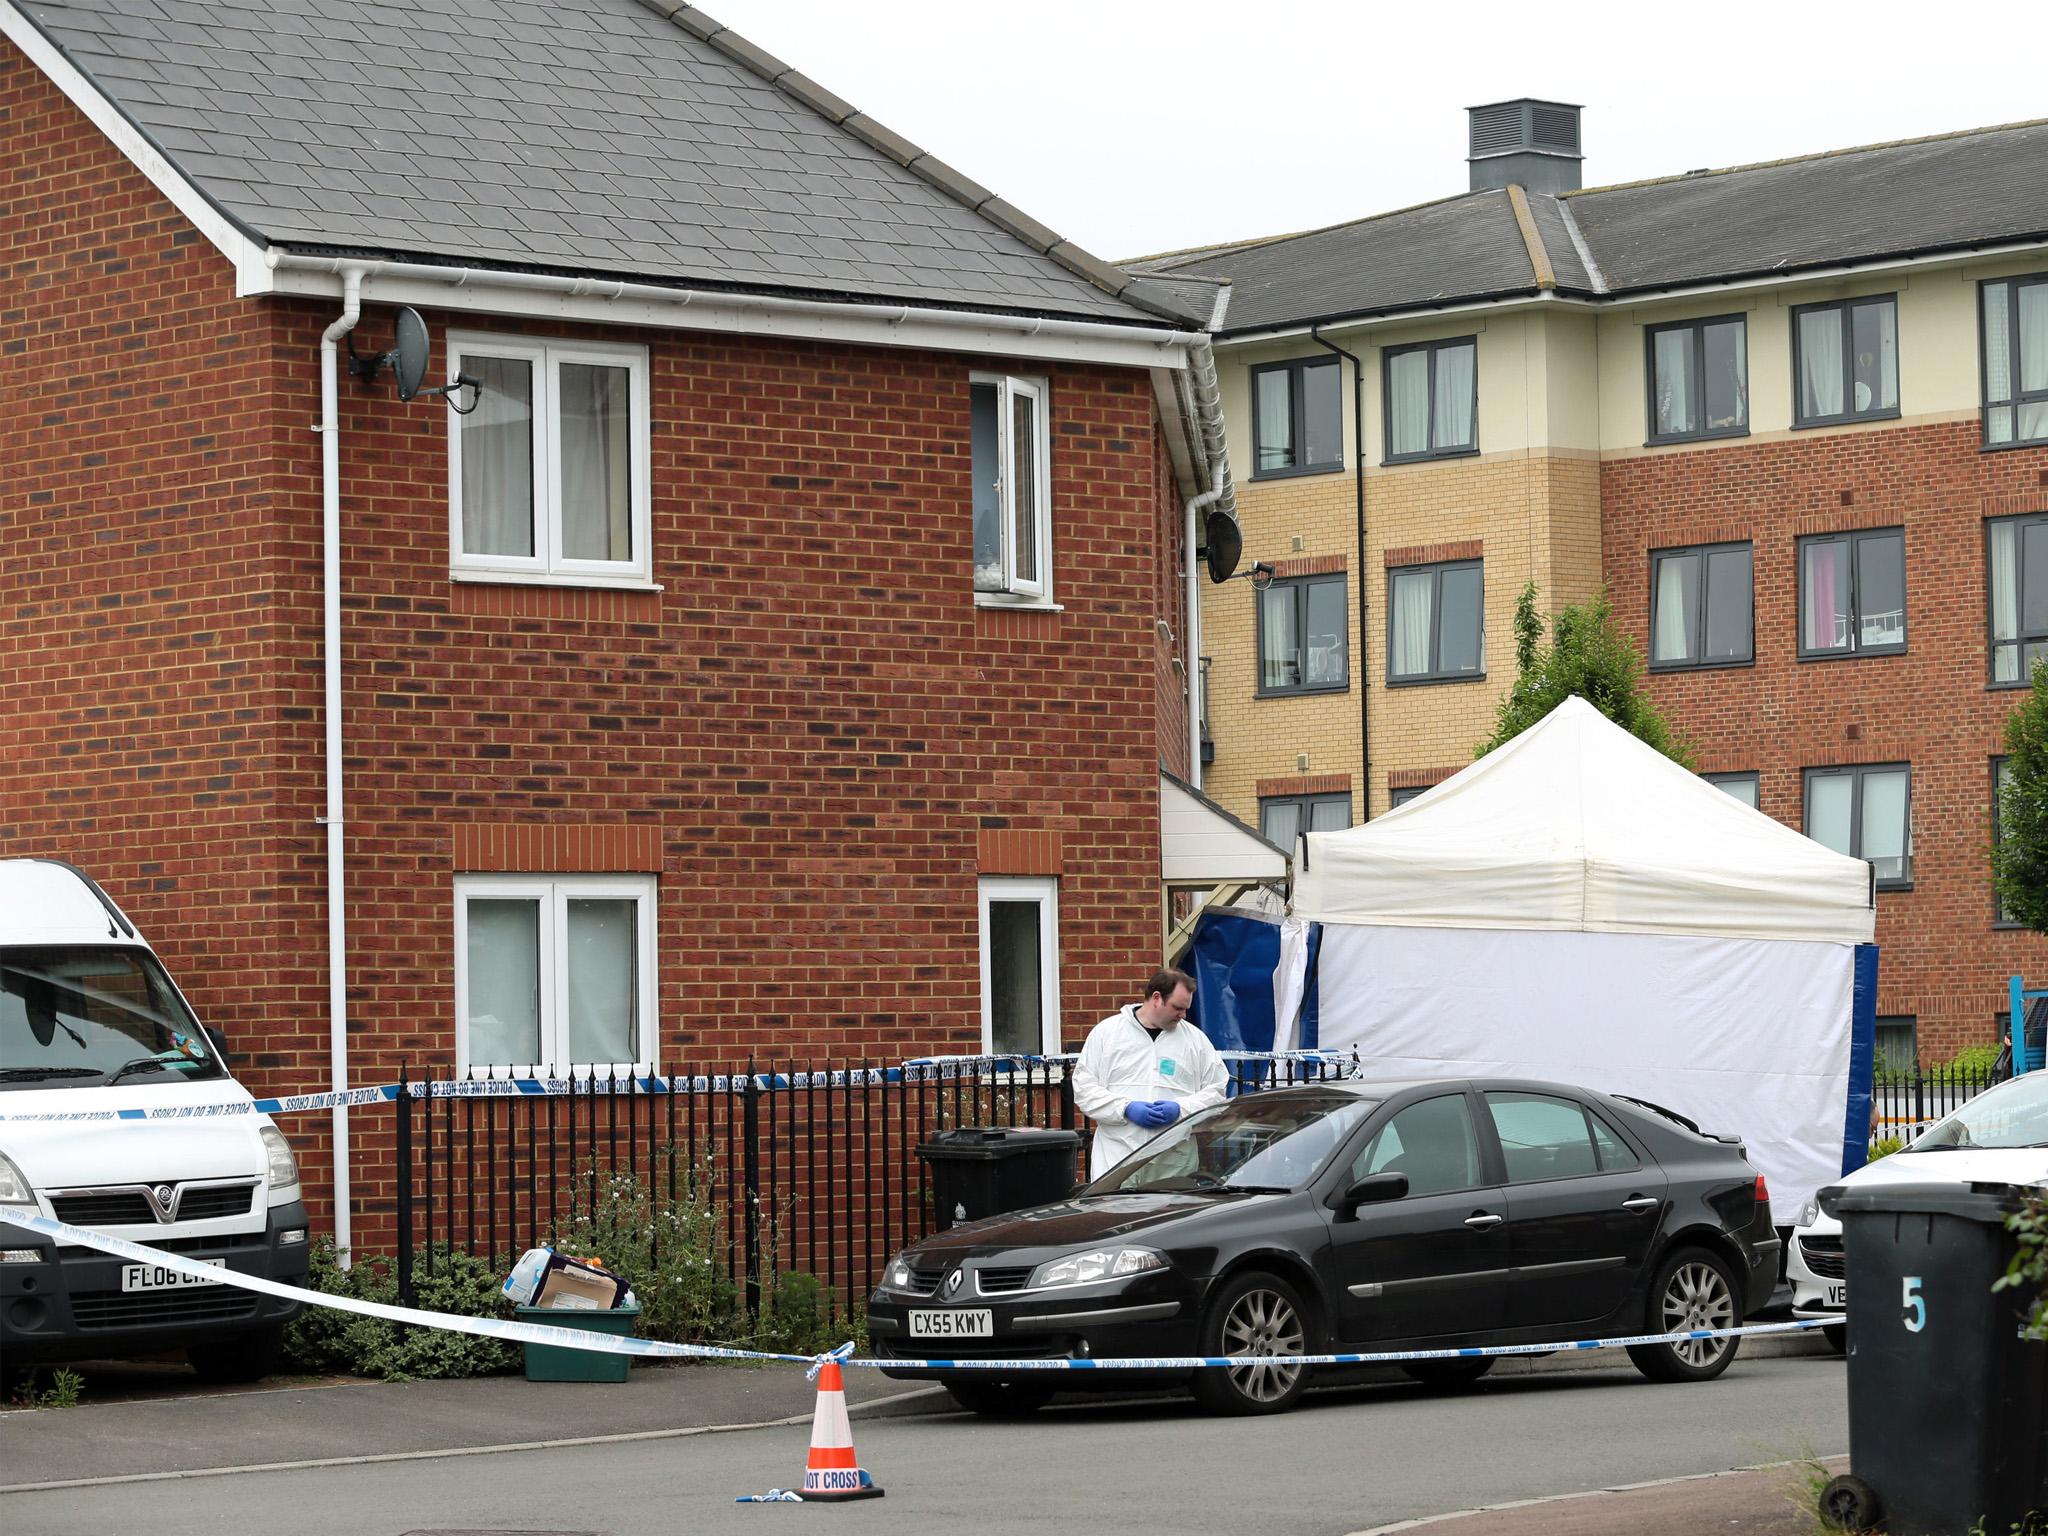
x,y
1948,1402
988,1172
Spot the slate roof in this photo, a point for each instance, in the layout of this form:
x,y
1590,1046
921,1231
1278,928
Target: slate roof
x,y
627,137
1960,191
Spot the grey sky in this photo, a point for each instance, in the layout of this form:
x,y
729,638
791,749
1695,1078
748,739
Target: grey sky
x,y
1134,126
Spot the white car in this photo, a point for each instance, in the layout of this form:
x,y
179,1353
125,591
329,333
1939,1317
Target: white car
x,y
1999,1137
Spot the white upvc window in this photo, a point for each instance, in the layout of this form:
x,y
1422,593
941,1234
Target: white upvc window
x,y
554,972
1012,448
1020,965
548,474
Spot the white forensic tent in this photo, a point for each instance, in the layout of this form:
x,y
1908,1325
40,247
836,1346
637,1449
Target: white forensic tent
x,y
1578,907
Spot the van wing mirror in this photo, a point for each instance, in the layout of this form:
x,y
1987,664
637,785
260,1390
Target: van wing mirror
x,y
1372,1190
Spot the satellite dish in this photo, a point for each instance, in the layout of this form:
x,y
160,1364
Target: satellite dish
x,y
409,356
1225,546
408,359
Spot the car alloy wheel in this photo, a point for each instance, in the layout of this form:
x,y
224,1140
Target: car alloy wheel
x,y
1694,1290
1254,1314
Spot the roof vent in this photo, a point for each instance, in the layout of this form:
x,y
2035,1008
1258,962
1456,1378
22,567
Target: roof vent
x,y
1532,143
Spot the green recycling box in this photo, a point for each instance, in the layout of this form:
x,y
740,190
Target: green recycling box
x,y
557,1362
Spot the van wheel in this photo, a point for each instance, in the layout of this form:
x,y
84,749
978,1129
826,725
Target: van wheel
x,y
250,1357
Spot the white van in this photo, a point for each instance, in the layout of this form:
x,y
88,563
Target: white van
x,y
90,1024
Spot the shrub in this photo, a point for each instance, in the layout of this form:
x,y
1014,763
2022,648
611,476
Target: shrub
x,y
325,1339
665,1249
1884,1146
2028,1270
1973,1061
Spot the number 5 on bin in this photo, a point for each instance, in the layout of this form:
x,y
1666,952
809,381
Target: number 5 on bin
x,y
1915,1305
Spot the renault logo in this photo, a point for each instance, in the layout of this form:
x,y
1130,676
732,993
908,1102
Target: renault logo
x,y
952,1285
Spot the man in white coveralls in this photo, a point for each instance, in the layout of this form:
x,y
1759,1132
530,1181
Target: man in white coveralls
x,y
1144,1067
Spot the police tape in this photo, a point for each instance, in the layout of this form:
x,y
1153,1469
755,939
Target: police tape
x,y
918,1069
610,1344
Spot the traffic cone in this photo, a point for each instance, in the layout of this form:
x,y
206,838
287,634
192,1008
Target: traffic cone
x,y
832,1472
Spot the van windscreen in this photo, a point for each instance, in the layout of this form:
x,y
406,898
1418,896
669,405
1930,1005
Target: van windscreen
x,y
82,1016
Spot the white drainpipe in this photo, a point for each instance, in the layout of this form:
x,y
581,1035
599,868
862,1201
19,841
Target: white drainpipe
x,y
337,921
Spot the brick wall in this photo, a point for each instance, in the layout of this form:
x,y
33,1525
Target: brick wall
x,y
811,733
1529,518
1942,959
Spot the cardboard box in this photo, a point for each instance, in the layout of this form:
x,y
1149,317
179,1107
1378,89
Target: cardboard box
x,y
574,1287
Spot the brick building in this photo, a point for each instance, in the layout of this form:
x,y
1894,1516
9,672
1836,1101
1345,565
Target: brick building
x,y
775,629
1794,417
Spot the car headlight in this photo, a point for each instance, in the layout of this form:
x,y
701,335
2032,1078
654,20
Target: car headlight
x,y
1809,1213
284,1168
1101,1264
897,1276
14,1189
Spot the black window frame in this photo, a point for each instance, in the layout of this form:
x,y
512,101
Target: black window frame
x,y
1858,771
1701,663
1300,586
1407,792
1698,382
1305,801
1756,782
2018,397
1294,368
1853,538
1845,307
2019,524
1436,569
1999,917
1387,356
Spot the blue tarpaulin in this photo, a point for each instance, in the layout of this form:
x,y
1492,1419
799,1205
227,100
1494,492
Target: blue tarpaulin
x,y
1232,960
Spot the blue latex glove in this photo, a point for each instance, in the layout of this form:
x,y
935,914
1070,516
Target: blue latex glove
x,y
1152,1113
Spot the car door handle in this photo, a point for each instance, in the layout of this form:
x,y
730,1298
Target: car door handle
x,y
1483,1220
1641,1203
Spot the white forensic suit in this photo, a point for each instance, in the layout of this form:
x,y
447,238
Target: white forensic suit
x,y
1121,1062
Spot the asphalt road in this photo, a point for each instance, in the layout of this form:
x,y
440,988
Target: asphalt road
x,y
1349,1460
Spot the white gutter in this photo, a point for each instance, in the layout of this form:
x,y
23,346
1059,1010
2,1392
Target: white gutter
x,y
587,300
1637,297
337,918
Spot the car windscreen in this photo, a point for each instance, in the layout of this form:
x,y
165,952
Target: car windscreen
x,y
1274,1140
82,1016
2014,1114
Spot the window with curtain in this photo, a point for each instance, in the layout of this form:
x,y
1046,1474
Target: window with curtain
x,y
1737,786
1845,361
554,972
1865,812
1304,635
1852,593
1297,417
1011,447
1699,379
1432,399
1436,622
550,469
2001,776
2014,313
2017,559
1283,818
1020,965
1701,611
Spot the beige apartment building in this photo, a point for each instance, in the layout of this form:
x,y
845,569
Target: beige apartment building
x,y
1793,416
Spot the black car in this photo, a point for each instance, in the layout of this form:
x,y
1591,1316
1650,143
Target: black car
x,y
1351,1217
